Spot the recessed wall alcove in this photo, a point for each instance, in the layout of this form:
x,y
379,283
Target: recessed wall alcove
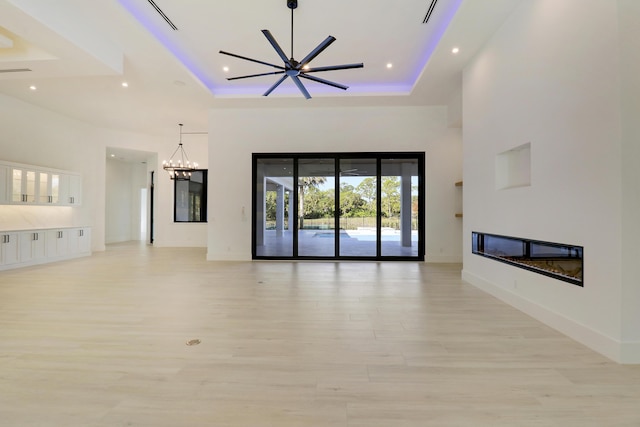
x,y
513,167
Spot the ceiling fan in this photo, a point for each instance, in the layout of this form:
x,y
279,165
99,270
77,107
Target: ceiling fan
x,y
293,68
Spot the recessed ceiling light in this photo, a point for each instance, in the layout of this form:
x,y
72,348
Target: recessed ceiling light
x,y
389,65
455,50
113,155
125,84
225,69
33,87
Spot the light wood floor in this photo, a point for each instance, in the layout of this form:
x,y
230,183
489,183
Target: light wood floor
x,y
101,341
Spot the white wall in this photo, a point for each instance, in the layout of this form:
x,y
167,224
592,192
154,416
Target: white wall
x,y
237,133
629,15
37,136
123,183
167,232
551,76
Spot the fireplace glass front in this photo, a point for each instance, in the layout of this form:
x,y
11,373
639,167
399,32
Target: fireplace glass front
x,y
558,260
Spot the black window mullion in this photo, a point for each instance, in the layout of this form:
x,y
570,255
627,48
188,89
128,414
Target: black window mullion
x,y
296,208
336,209
378,207
421,206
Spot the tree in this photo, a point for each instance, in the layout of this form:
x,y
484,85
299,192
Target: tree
x,y
391,195
367,188
305,183
351,203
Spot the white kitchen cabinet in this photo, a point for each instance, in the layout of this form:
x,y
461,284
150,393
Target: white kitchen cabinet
x,y
57,243
36,185
23,185
32,246
9,248
80,240
73,187
19,248
49,188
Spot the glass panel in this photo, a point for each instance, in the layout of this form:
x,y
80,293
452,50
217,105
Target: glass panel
x,y
55,188
274,207
190,198
399,207
43,187
31,186
563,262
316,207
16,193
358,210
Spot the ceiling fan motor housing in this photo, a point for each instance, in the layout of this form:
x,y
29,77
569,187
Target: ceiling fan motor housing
x,y
292,4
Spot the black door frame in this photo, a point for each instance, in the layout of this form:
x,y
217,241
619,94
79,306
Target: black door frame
x,y
379,157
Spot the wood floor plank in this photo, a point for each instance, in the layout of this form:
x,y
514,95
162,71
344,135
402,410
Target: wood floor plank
x,y
144,336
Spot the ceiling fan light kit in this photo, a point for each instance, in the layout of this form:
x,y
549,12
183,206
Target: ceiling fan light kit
x,y
295,69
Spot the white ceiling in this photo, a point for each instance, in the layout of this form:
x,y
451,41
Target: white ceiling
x,y
79,53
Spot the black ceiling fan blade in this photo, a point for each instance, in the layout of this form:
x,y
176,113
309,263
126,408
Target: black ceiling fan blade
x,y
326,82
255,75
333,67
252,60
277,47
315,52
275,85
298,83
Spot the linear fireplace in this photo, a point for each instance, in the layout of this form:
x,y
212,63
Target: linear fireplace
x,y
558,260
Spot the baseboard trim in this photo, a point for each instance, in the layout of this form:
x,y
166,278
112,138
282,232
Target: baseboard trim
x,y
227,256
443,259
627,353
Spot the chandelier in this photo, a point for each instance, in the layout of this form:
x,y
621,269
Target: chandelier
x,y
181,167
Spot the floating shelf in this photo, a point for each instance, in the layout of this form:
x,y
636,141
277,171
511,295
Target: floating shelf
x,y
458,184
459,215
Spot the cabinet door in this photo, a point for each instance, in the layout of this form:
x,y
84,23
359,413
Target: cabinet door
x,y
39,248
70,190
54,188
23,184
73,240
75,190
84,243
9,248
48,188
26,249
56,243
32,246
43,188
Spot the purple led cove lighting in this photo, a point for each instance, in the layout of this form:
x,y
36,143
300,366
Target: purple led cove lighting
x,y
450,10
156,29
445,11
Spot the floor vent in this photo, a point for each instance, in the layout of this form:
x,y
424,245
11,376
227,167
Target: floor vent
x,y
430,11
14,70
165,17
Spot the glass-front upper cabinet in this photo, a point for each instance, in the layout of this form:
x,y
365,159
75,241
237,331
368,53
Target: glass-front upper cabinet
x,y
23,185
49,188
37,185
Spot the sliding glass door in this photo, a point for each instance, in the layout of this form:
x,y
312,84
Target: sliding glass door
x,y
273,204
316,207
358,207
338,206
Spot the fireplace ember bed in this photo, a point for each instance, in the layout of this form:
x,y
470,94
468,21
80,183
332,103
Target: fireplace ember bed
x,y
558,260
